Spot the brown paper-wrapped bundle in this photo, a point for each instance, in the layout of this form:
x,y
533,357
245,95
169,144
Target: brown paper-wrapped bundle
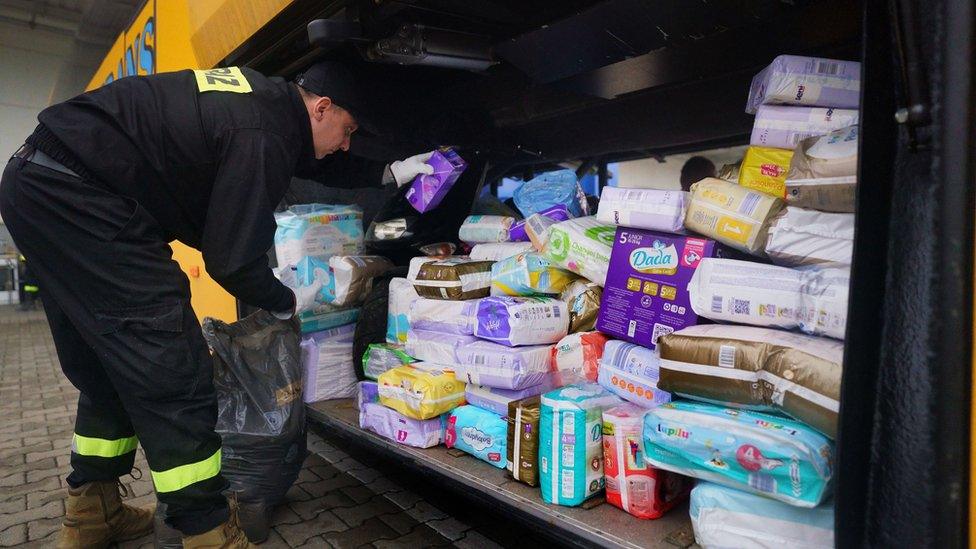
x,y
454,279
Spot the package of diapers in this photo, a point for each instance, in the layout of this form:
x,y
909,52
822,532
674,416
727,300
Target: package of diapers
x,y
523,439
577,357
582,245
732,215
367,391
823,172
654,209
497,400
428,189
380,357
436,347
390,424
317,230
724,517
528,274
632,372
783,127
764,169
518,232
453,278
420,391
556,188
813,300
583,299
486,363
327,364
756,368
402,295
632,485
478,432
807,237
438,315
760,453
499,250
419,261
538,227
485,228
351,277
326,317
571,442
807,81
517,321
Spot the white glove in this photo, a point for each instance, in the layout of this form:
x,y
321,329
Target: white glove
x,y
405,170
305,296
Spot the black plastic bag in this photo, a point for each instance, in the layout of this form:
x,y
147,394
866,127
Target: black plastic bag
x,y
261,416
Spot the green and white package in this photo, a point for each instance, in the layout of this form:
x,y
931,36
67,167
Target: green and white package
x,y
582,245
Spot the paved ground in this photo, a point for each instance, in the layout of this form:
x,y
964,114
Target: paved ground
x,y
339,500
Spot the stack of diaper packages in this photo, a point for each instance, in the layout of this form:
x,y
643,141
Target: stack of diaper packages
x,y
390,424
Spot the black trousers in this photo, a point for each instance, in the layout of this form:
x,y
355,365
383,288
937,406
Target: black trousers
x,y
119,311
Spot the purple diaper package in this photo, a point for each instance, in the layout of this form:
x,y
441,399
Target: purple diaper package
x,y
494,365
646,294
436,347
388,423
496,400
517,321
806,81
427,191
557,213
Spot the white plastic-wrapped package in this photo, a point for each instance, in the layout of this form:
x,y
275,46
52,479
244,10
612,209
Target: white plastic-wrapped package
x,y
783,127
743,292
317,230
352,277
810,81
582,245
808,237
493,365
435,347
328,369
654,209
402,295
823,172
485,228
440,315
499,250
517,321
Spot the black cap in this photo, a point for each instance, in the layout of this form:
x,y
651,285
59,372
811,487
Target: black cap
x,y
333,80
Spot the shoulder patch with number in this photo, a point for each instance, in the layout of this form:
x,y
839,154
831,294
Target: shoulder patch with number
x,y
226,79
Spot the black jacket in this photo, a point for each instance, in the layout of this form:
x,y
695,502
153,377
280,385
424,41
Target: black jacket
x,y
209,166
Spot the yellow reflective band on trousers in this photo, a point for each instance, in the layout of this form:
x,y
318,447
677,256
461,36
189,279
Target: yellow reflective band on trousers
x,y
180,477
31,289
100,447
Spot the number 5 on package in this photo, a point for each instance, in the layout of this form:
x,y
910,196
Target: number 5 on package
x,y
226,79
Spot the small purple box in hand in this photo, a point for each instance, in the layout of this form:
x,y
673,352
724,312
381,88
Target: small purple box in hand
x,y
427,191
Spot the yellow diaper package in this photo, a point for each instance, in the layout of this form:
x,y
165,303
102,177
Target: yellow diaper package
x,y
764,169
420,391
731,214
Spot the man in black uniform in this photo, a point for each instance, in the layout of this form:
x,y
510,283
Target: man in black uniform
x,y
92,200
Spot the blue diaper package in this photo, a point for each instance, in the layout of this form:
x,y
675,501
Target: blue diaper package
x,y
726,517
760,453
317,230
551,189
481,433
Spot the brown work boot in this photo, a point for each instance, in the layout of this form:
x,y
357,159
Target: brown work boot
x,y
95,517
226,536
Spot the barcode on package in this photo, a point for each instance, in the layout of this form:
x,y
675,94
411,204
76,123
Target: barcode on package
x,y
827,67
479,359
749,204
660,330
740,306
726,356
716,304
762,482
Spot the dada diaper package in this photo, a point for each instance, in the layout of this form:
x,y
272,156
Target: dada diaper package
x,y
478,432
420,391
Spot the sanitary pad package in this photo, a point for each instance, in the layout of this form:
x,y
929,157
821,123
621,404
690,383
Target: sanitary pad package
x,y
478,432
327,364
654,209
435,347
583,299
498,250
402,295
438,315
732,215
485,228
317,230
783,127
577,357
582,246
523,439
823,172
724,517
380,357
388,423
516,321
367,391
351,277
420,391
760,453
497,400
556,188
764,169
494,365
808,237
808,81
427,190
528,274
759,368
632,485
571,443
455,278
743,292
631,372
646,292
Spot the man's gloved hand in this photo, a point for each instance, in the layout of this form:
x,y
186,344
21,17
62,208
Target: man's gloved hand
x,y
305,296
404,171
